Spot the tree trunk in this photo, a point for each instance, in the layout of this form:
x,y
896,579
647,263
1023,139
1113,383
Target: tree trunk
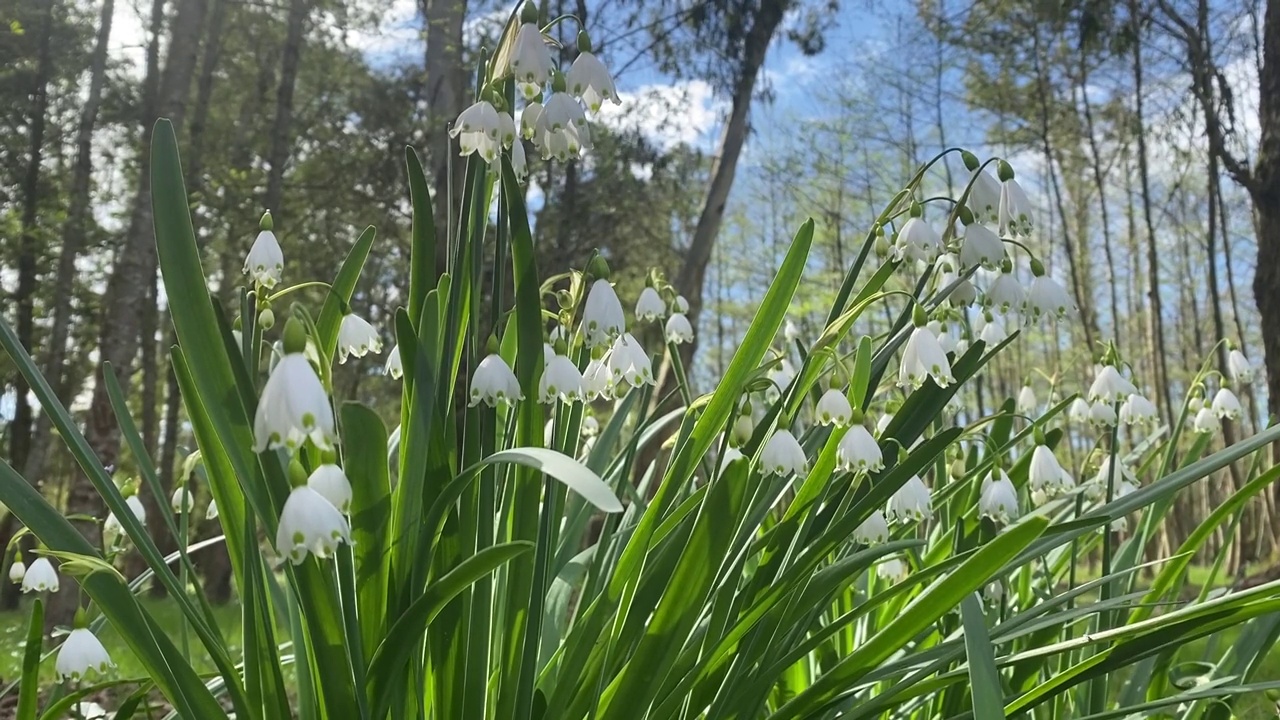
x,y
1265,191
133,271
282,127
1100,186
445,96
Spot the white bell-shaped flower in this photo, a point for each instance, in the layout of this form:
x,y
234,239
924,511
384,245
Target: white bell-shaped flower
x,y
731,454
858,451
356,337
629,363
310,524
1102,415
1110,386
211,512
590,426
602,317
562,111
1004,293
790,331
1206,421
494,382
519,163
963,294
781,375
742,430
993,592
782,455
331,482
1137,410
80,653
893,570
981,246
293,408
265,261
529,120
1045,475
924,357
597,382
17,571
833,409
590,80
394,366
999,498
1239,367
984,197
1027,403
1078,411
912,501
681,305
113,532
506,129
479,130
990,328
649,306
1016,213
917,240
86,710
1047,298
560,380
1098,484
947,339
873,531
40,577
138,509
678,329
1227,405
182,501
531,61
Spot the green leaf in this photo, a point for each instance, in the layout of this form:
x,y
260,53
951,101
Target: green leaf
x,y
364,442
984,679
576,476
330,320
29,690
422,257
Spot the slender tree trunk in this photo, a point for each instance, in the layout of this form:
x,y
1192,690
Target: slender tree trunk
x,y
1101,186
133,271
282,127
445,96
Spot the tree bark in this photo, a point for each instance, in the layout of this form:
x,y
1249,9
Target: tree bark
x,y
445,96
282,126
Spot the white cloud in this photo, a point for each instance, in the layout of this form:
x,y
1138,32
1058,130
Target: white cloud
x,y
681,113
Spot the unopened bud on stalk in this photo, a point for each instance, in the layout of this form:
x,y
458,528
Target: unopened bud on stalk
x,y
584,41
1037,267
598,268
1004,171
919,317
970,160
297,474
295,337
267,319
265,223
965,215
916,209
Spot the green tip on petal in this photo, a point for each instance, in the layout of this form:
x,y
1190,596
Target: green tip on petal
x,y
295,336
598,268
265,223
584,41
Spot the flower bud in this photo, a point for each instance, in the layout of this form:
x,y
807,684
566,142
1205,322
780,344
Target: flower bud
x,y
965,214
265,223
295,336
529,13
267,319
1004,171
970,160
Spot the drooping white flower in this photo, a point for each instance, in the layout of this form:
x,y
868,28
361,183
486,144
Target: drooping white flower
x,y
597,382
629,363
310,524
947,340
873,531
529,120
1110,386
86,710
999,498
1101,414
1027,402
1078,411
1015,209
782,455
80,653
135,505
912,501
678,329
506,129
1137,410
1047,298
589,79
590,426
1206,421
519,163
493,382
331,482
1123,475
993,593
562,111
649,306
681,305
181,501
394,366
923,357
917,240
479,130
741,430
893,570
265,261
1227,405
782,374
356,337
1239,367
963,294
981,246
293,408
17,571
560,380
1004,293
858,451
1046,475
731,454
211,512
984,197
602,318
790,331
833,409
40,577
530,61
549,352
